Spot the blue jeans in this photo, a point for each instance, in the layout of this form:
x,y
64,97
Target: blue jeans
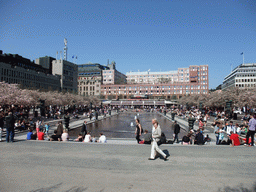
x,y
217,140
176,138
8,133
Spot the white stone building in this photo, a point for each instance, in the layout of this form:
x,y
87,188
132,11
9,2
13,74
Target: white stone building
x,y
243,76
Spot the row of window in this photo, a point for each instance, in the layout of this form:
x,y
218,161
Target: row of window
x,y
248,71
247,75
88,83
28,83
160,87
245,80
86,88
89,93
156,92
91,73
245,85
26,76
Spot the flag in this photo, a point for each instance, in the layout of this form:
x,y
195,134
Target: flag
x,y
73,56
76,57
242,53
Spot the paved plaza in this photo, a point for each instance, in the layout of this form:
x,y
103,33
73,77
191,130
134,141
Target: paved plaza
x,y
123,165
58,166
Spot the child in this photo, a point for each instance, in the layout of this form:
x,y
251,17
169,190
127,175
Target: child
x,y
47,126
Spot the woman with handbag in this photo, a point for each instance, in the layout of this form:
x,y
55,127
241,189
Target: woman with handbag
x,y
156,135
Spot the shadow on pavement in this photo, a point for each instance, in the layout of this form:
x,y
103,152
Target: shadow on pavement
x,y
240,188
57,186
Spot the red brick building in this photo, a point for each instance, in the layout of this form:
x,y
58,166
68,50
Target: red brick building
x,y
192,80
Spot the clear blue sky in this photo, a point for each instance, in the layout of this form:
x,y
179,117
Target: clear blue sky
x,y
136,34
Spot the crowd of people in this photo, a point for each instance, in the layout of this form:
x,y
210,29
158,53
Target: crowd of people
x,y
226,132
237,134
61,134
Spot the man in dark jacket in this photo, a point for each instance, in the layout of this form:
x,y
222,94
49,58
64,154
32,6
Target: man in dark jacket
x,y
199,140
84,129
9,120
176,131
191,121
1,124
67,119
59,128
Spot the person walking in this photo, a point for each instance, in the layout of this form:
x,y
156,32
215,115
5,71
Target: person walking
x,y
138,130
38,125
156,135
251,132
9,127
176,131
216,132
84,129
191,121
59,128
67,120
47,126
1,124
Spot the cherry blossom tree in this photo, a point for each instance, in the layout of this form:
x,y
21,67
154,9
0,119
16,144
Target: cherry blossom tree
x,y
11,94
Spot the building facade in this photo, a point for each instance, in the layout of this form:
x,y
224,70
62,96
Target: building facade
x,y
68,72
15,69
45,62
90,78
112,76
243,77
184,81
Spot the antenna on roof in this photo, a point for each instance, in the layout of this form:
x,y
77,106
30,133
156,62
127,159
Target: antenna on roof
x,y
65,49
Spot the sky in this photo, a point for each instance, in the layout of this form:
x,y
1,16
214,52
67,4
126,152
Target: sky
x,y
160,35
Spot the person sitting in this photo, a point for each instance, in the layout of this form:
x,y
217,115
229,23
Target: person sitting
x,y
186,139
94,139
147,138
199,140
40,135
207,139
18,125
29,134
234,139
55,137
246,117
238,129
244,130
64,135
87,138
102,138
79,138
34,136
22,125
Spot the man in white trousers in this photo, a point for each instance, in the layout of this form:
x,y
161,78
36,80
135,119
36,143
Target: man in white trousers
x,y
156,135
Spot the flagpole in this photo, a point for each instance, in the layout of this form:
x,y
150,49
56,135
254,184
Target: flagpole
x,y
243,57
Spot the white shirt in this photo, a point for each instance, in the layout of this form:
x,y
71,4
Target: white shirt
x,y
87,138
64,136
38,124
229,129
102,139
